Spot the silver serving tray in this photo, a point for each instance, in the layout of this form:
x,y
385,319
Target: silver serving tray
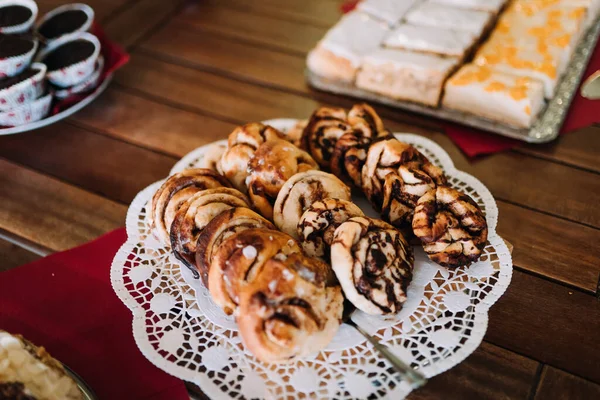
x,y
86,390
545,129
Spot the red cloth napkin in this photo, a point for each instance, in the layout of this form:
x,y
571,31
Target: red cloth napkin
x,y
65,303
114,58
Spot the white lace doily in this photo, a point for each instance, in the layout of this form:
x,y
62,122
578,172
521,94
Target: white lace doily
x,y
178,328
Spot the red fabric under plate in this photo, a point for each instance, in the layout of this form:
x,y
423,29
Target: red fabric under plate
x,y
65,303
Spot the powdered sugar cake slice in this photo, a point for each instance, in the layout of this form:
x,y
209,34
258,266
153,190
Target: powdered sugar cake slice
x,y
339,54
441,41
493,6
390,11
534,42
440,16
498,96
406,75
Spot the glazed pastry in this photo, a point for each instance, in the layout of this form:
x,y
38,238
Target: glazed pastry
x,y
394,177
240,259
373,263
273,164
219,229
195,214
318,223
350,150
28,372
325,126
390,11
212,157
174,192
451,227
294,135
241,145
292,309
435,15
302,190
433,40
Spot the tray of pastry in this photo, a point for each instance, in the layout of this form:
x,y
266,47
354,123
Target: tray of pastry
x,y
507,67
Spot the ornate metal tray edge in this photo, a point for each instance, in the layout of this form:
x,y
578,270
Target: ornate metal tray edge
x,y
545,129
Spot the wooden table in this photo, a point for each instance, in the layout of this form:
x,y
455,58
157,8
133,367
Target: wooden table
x,y
200,68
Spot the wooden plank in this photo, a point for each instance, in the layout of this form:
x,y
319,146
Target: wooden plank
x,y
548,187
579,148
102,8
150,124
557,384
549,323
253,27
12,256
489,373
92,161
138,20
52,213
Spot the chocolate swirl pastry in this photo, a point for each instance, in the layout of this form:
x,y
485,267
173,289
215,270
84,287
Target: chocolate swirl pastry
x,y
325,126
294,135
319,222
373,263
292,309
302,190
219,229
241,145
212,157
240,259
395,175
351,149
274,162
451,226
193,216
174,192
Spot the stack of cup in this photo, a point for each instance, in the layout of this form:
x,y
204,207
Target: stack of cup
x,y
23,96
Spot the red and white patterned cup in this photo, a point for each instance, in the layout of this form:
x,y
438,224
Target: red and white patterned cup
x,y
11,66
89,11
27,113
24,26
73,74
24,91
90,83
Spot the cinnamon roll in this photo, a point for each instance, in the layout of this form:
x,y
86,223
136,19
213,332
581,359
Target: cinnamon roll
x,y
240,259
273,164
174,192
212,157
294,135
325,126
219,229
451,226
195,214
363,119
241,145
373,263
292,309
299,192
395,175
319,222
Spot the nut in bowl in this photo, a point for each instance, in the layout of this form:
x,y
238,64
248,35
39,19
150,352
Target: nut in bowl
x,y
16,54
90,83
17,16
26,113
71,59
22,88
65,20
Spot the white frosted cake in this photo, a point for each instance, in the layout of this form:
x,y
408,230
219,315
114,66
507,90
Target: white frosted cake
x,y
493,6
406,75
339,54
534,42
440,16
28,372
441,41
390,11
501,97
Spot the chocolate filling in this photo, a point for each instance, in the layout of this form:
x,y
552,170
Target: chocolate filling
x,y
68,54
63,23
11,46
14,391
14,15
8,82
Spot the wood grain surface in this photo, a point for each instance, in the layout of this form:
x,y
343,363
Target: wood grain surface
x,y
199,68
